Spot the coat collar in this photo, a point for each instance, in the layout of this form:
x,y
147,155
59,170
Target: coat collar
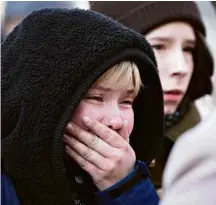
x,y
188,121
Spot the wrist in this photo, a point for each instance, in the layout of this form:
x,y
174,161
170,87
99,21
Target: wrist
x,y
139,172
107,184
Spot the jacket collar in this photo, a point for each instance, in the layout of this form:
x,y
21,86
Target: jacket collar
x,y
188,121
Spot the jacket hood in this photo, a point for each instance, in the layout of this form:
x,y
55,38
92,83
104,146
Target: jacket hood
x,y
48,63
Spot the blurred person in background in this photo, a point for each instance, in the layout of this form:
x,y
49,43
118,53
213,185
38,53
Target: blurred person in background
x,y
2,6
59,66
16,11
214,4
191,167
176,32
208,13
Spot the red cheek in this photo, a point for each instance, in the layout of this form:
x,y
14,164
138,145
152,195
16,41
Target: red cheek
x,y
84,109
130,127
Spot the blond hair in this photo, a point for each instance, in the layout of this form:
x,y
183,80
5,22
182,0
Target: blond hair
x,y
123,75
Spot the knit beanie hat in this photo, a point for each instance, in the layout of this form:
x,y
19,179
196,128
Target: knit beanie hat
x,y
143,16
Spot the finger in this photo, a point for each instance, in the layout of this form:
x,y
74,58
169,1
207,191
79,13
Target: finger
x,y
89,139
104,132
83,163
123,132
85,152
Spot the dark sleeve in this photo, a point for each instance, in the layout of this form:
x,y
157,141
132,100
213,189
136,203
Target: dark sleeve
x,y
135,188
8,194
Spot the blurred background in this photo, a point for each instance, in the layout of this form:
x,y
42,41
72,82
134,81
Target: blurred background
x,y
208,12
12,12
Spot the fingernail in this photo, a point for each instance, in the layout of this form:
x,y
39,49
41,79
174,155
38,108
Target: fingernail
x,y
86,120
71,126
69,150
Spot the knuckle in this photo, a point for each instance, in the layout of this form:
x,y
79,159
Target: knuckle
x,y
106,134
128,151
78,132
117,156
75,129
83,163
99,176
88,135
95,141
88,153
110,167
126,148
71,152
73,142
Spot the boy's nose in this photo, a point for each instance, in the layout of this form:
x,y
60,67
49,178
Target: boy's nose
x,y
179,65
115,123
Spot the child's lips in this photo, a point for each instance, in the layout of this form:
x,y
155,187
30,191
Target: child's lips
x,y
173,95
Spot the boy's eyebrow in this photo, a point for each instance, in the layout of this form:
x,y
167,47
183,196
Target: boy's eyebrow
x,y
129,91
98,87
165,39
168,39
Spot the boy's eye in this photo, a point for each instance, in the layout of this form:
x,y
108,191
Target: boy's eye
x,y
158,46
189,49
95,98
127,102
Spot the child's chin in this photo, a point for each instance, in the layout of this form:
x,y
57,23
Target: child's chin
x,y
170,109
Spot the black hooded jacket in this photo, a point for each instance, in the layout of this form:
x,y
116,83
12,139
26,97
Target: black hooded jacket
x,y
48,63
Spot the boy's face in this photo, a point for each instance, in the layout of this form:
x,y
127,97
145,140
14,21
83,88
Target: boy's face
x,y
109,106
173,44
